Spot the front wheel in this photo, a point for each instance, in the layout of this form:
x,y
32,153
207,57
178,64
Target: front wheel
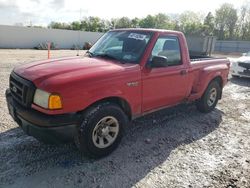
x,y
210,98
101,130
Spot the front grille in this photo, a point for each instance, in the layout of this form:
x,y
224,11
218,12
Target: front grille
x,y
22,90
244,65
245,73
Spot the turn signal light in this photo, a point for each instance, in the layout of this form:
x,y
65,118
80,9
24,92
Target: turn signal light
x,y
55,102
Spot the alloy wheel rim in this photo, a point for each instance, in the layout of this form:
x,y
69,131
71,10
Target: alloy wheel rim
x,y
105,132
212,97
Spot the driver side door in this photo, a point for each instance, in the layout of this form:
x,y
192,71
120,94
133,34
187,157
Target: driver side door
x,y
166,85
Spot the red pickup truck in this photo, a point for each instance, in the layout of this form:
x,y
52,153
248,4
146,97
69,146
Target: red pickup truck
x,y
126,74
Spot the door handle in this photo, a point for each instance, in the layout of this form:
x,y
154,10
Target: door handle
x,y
183,72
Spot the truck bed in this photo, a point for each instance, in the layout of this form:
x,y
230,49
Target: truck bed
x,y
202,57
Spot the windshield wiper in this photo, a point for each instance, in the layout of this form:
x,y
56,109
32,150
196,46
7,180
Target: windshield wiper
x,y
91,54
106,56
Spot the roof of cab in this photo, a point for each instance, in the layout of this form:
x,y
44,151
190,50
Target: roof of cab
x,y
148,29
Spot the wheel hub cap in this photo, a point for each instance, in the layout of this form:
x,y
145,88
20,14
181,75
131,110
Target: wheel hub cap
x,y
212,97
105,131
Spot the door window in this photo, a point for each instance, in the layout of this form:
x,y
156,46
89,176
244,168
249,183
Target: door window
x,y
168,47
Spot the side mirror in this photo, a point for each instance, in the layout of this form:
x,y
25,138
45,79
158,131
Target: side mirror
x,y
159,61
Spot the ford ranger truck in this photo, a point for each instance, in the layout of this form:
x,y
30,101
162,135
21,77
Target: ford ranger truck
x,y
127,73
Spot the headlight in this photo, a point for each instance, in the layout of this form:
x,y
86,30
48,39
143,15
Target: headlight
x,y
234,63
41,98
47,100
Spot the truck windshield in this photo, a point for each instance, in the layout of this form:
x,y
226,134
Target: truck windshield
x,y
124,46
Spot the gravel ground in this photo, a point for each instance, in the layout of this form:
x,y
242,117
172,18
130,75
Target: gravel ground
x,y
177,147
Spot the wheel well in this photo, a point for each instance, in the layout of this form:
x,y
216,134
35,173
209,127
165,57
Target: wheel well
x,y
219,80
123,104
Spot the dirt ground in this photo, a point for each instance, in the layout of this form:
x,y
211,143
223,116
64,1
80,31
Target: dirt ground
x,y
177,147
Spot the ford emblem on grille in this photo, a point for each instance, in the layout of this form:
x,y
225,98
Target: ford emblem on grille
x,y
14,89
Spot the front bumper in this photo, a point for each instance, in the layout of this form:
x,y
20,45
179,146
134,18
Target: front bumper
x,y
46,128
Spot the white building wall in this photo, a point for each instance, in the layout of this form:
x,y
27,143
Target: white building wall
x,y
24,37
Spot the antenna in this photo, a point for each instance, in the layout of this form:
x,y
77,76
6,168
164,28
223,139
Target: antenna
x,y
78,47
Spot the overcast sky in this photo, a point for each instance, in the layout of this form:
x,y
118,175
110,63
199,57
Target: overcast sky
x,y
42,12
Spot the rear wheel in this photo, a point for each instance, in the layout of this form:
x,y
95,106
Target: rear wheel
x,y
101,130
210,98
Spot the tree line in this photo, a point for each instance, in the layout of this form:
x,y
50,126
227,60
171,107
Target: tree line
x,y
227,23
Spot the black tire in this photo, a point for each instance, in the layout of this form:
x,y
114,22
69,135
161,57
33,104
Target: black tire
x,y
204,104
85,140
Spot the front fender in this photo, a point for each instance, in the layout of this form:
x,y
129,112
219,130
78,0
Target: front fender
x,y
80,96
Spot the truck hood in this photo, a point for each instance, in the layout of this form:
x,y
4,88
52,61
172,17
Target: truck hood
x,y
244,59
68,69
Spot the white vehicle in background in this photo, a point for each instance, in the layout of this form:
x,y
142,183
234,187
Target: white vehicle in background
x,y
241,67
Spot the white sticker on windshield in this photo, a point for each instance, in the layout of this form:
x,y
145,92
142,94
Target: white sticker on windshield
x,y
137,36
